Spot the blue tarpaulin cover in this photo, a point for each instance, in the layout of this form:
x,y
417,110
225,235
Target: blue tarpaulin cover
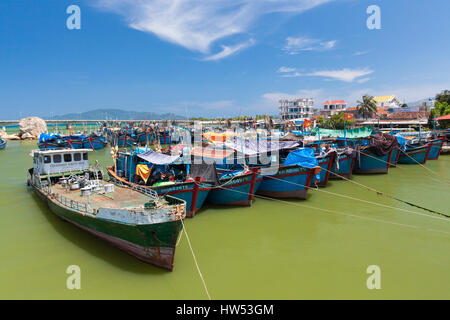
x,y
401,141
303,157
48,136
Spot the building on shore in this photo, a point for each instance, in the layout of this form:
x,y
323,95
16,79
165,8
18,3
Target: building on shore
x,y
302,108
390,101
332,107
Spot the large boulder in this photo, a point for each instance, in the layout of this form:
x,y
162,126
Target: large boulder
x,y
31,128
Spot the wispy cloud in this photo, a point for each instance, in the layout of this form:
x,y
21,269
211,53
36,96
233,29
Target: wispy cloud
x,y
196,25
229,50
360,53
296,45
347,75
286,69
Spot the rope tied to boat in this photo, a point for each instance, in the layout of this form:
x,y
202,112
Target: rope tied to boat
x,y
195,260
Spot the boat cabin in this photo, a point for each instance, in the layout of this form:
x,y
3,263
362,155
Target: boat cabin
x,y
60,161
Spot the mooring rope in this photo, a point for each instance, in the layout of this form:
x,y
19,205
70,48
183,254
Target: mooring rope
x,y
362,200
195,260
397,166
344,214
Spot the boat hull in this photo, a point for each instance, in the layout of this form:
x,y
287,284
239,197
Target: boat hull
x,y
436,148
288,182
415,156
2,144
325,164
346,163
154,243
96,143
372,163
394,157
193,193
238,191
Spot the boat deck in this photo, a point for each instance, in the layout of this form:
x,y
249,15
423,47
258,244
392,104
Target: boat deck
x,y
121,198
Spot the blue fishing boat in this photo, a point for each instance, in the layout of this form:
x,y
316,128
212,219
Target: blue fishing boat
x,y
125,140
289,182
415,154
236,188
143,137
74,141
164,137
130,165
94,142
394,157
436,148
370,162
2,144
375,155
343,168
51,141
325,164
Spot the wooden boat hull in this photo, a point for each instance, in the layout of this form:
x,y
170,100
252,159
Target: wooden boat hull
x,y
436,148
96,143
53,145
346,163
125,141
325,164
371,163
194,194
237,191
288,182
2,144
152,243
394,157
415,156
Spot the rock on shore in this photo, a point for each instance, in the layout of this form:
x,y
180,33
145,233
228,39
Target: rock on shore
x,y
31,128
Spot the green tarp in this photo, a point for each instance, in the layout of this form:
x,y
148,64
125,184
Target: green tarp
x,y
349,134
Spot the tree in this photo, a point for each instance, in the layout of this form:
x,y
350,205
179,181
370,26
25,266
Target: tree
x,y
440,109
337,121
444,96
367,107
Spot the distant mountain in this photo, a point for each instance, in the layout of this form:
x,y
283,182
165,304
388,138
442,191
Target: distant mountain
x,y
117,114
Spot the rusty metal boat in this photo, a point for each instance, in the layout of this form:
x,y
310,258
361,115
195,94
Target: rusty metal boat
x,y
139,222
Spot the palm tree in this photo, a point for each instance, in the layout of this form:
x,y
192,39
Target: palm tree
x,y
367,107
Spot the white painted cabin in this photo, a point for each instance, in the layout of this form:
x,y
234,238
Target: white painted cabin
x,y
60,161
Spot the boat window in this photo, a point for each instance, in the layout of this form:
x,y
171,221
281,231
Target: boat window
x,y
67,157
85,156
57,158
47,159
77,157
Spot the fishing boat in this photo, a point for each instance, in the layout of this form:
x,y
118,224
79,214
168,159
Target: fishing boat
x,y
236,188
374,155
51,141
139,222
370,162
290,181
436,148
415,154
95,142
343,168
2,144
145,164
287,180
325,163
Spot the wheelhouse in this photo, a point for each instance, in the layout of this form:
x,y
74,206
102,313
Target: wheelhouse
x,y
60,161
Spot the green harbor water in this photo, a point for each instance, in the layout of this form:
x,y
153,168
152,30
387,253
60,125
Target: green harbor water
x,y
314,249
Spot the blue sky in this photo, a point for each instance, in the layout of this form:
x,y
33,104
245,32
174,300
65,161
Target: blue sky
x,y
216,57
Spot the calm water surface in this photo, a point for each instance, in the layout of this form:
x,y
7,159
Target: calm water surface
x,y
273,250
